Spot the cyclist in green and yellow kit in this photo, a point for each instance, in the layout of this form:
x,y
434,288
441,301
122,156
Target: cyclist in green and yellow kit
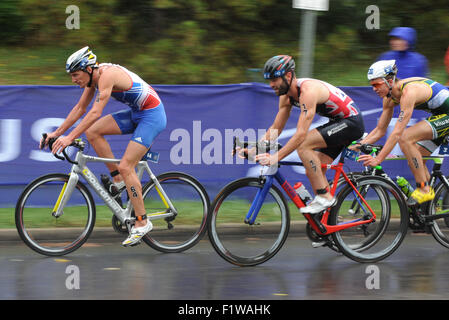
x,y
420,139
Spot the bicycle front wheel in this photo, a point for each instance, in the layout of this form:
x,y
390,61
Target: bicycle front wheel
x,y
377,240
439,205
191,201
241,243
40,229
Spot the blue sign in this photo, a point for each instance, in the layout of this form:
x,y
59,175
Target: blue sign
x,y
201,123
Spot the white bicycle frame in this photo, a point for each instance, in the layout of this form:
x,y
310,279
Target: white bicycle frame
x,y
124,215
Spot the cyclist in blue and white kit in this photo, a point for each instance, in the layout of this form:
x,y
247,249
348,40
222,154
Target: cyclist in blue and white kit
x,y
145,119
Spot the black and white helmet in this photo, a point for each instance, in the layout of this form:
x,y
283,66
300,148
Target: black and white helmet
x,y
80,60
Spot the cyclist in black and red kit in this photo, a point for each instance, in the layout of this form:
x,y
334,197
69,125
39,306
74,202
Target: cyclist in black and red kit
x,y
320,145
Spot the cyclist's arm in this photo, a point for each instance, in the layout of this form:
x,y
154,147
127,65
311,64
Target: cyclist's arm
x,y
279,122
407,103
77,111
105,85
382,125
308,101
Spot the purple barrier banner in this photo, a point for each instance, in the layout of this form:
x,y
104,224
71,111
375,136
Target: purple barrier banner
x,y
201,121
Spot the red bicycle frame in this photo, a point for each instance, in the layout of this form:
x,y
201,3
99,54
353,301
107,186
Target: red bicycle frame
x,y
322,227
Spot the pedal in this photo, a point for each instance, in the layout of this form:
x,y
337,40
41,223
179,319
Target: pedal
x,y
133,245
318,244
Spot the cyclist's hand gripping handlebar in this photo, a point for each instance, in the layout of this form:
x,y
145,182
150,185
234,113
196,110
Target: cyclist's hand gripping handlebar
x,y
65,155
370,148
261,146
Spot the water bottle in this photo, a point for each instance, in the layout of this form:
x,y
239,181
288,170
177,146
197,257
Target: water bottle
x,y
302,192
404,185
108,185
111,188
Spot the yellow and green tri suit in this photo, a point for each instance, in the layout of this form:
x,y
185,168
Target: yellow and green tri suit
x,y
438,105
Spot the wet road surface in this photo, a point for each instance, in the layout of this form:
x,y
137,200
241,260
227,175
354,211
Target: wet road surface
x,y
105,270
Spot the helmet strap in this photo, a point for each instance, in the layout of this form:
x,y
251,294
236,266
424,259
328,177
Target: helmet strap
x,y
90,76
286,83
390,87
90,80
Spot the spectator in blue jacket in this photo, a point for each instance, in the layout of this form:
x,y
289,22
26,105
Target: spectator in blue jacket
x,y
409,62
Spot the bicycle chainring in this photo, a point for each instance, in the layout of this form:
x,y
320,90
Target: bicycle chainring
x,y
315,237
118,226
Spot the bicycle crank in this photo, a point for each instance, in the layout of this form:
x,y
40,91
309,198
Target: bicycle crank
x,y
118,226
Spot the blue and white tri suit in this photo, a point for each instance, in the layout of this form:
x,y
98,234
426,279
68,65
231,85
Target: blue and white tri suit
x,y
146,116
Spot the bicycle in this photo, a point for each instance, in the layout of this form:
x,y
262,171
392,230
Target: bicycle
x,y
250,219
429,217
55,214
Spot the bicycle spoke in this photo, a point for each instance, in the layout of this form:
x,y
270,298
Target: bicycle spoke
x,y
238,241
41,229
176,233
376,240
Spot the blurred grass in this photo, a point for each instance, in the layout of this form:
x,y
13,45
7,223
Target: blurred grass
x,y
235,213
46,66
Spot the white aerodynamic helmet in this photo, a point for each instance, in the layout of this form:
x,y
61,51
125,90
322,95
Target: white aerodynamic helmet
x,y
381,69
80,60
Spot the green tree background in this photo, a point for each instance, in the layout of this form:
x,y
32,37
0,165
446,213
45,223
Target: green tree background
x,y
208,41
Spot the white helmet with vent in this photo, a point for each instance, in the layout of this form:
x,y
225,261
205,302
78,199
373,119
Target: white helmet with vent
x,y
382,69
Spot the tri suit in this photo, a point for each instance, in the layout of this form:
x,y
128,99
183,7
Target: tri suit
x,y
345,119
145,118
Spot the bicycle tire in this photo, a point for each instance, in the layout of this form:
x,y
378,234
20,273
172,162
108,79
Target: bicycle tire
x,y
192,203
439,227
44,233
235,240
386,234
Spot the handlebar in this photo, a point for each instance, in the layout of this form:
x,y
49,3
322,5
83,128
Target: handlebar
x,y
78,143
264,146
370,148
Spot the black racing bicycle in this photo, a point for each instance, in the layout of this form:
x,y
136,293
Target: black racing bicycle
x,y
429,217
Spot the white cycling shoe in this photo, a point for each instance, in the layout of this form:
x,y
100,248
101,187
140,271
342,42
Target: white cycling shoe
x,y
136,234
318,204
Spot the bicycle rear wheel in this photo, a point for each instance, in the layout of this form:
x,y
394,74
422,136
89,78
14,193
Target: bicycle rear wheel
x,y
235,240
377,240
49,235
440,204
192,205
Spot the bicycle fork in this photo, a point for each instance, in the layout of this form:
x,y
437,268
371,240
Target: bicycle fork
x,y
258,201
170,213
65,194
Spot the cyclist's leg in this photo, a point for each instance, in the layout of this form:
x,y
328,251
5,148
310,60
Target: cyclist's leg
x,y
134,152
330,139
420,131
312,160
426,148
149,124
112,124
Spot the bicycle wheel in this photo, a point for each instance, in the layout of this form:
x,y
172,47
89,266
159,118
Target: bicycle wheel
x,y
440,204
49,235
192,204
238,242
379,239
